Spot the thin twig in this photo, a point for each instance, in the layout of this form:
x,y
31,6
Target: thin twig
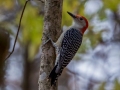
x,y
18,30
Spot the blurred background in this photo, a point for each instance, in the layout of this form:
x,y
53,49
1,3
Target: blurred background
x,y
96,66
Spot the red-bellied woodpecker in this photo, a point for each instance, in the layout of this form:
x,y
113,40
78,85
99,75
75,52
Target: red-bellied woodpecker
x,y
68,44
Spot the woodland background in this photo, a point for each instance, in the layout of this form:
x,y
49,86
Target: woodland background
x,y
96,66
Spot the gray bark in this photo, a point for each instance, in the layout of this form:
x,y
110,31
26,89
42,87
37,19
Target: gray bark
x,y
52,28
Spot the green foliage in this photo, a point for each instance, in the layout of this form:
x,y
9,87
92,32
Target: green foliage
x,y
111,4
117,85
32,27
72,6
7,4
101,13
102,86
108,4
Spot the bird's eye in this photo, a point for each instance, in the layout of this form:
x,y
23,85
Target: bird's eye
x,y
81,18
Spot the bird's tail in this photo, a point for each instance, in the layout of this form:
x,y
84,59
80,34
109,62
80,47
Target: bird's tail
x,y
53,76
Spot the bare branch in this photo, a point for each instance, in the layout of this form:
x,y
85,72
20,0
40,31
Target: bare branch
x,y
18,30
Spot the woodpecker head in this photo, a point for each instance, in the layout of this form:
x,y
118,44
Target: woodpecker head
x,y
80,22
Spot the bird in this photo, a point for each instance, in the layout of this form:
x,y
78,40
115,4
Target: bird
x,y
67,45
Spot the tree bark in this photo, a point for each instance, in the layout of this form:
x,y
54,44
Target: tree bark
x,y
52,28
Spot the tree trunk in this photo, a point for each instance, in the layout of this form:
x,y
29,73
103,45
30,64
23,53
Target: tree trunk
x,y
52,28
4,46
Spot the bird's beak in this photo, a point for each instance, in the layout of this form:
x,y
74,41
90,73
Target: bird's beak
x,y
72,15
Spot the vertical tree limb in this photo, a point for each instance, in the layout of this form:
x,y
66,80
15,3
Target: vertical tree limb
x,y
52,28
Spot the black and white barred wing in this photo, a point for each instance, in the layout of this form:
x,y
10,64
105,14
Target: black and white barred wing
x,y
70,45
